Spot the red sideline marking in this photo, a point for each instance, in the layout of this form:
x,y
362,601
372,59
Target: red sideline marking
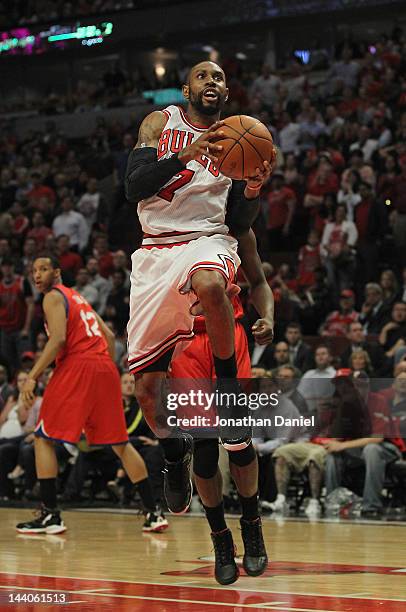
x,y
289,568
124,597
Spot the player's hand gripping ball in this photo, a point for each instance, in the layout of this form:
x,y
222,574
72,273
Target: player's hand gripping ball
x,y
247,144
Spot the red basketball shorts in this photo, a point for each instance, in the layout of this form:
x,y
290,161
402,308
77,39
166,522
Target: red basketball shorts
x,y
193,371
196,361
83,396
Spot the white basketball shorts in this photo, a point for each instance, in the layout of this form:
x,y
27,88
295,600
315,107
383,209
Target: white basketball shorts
x,y
161,293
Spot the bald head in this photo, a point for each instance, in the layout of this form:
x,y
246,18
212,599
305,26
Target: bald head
x,y
206,66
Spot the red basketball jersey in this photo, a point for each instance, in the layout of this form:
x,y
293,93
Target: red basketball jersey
x,y
83,334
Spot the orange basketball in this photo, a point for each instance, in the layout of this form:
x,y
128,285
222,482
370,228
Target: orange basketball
x,y
246,145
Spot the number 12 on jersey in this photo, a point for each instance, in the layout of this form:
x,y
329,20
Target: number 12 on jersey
x,y
91,324
183,178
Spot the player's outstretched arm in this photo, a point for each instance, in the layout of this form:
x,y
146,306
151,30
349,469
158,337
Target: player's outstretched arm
x,y
260,291
145,175
55,315
108,335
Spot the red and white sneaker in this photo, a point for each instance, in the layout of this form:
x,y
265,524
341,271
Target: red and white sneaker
x,y
155,522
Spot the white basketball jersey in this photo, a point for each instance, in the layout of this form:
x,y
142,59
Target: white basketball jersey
x,y
195,199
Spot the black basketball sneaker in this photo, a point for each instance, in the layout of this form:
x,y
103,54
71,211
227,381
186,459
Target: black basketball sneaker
x,y
233,411
47,521
225,569
178,488
255,559
155,522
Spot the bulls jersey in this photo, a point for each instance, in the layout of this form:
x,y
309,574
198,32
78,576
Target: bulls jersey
x,y
84,337
195,199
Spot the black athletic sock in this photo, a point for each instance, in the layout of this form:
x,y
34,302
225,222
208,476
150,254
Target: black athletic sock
x,y
48,492
249,507
174,448
225,368
147,497
215,517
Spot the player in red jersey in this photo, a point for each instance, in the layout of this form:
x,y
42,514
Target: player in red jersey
x,y
196,363
84,394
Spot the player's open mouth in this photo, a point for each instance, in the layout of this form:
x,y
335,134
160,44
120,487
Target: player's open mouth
x,y
211,95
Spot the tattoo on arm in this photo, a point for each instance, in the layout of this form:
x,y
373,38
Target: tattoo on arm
x,y
151,130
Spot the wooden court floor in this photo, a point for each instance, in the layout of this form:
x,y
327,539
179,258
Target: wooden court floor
x,y
104,562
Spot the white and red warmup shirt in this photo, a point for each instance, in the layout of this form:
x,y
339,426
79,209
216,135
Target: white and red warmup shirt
x,y
338,323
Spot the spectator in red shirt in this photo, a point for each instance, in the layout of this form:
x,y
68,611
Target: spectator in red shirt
x,y
103,255
16,312
39,191
337,248
323,180
20,220
293,178
237,92
338,322
349,104
70,262
39,231
309,260
281,202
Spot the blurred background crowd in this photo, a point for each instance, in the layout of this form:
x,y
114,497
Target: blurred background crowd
x,y
331,232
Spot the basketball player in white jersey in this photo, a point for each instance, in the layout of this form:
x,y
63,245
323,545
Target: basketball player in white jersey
x,y
186,256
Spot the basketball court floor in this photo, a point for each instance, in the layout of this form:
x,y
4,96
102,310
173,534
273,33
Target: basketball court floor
x,y
104,562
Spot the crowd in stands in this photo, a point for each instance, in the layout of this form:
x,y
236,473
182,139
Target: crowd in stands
x,y
114,88
331,235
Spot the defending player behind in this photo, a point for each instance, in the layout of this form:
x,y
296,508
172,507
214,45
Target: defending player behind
x,y
84,394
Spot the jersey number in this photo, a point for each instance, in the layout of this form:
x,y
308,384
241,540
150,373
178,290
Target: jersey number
x,y
183,178
91,324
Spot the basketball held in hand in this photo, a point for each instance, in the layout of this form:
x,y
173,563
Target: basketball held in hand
x,y
247,143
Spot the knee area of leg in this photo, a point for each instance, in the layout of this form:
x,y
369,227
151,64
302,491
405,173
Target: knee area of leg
x,y
211,289
118,449
145,389
371,451
242,457
205,458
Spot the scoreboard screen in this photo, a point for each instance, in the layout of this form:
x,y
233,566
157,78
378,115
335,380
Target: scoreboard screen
x,y
29,41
